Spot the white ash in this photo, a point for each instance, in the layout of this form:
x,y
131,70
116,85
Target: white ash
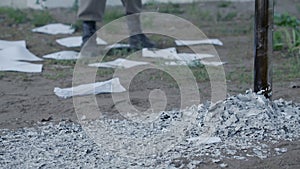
x,y
239,127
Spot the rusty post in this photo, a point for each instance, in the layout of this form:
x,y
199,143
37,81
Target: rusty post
x,y
264,12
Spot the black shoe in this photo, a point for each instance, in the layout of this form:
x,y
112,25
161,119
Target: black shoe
x,y
140,41
88,29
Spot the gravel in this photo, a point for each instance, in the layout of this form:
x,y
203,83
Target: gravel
x,y
239,127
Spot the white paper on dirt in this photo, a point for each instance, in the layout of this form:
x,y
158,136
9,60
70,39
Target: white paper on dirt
x,y
110,86
76,41
63,55
11,59
7,44
199,42
177,63
19,53
118,45
19,66
54,29
168,53
119,63
207,63
191,63
193,56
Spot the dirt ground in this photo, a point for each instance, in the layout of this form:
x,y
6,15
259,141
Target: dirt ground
x,y
27,99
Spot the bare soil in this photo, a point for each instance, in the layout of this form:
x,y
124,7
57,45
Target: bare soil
x,y
27,99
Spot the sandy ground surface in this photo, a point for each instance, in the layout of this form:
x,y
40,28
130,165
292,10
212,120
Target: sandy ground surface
x,y
27,99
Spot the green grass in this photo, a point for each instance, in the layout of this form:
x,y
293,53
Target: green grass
x,y
2,75
17,16
226,17
105,72
60,73
200,73
40,18
289,39
20,76
289,69
286,20
240,76
171,8
298,7
14,15
57,75
287,35
194,14
223,29
112,14
224,4
162,41
61,62
77,25
23,77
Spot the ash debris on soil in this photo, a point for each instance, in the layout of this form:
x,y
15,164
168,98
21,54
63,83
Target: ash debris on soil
x,y
239,127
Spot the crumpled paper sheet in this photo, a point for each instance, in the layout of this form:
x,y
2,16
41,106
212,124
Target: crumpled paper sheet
x,y
119,63
191,63
118,46
63,55
12,60
199,42
193,56
177,63
110,86
178,58
171,54
54,29
168,53
76,41
7,44
207,63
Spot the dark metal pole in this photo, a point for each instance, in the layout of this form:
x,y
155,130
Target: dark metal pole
x,y
264,12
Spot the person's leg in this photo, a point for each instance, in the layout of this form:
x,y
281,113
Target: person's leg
x,y
89,12
137,38
133,21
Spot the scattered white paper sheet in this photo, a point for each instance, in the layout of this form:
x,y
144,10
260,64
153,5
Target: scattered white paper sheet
x,y
54,29
101,41
76,41
206,63
18,53
168,53
193,56
110,86
199,42
118,45
177,63
63,55
18,66
7,44
191,63
11,59
171,54
119,63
